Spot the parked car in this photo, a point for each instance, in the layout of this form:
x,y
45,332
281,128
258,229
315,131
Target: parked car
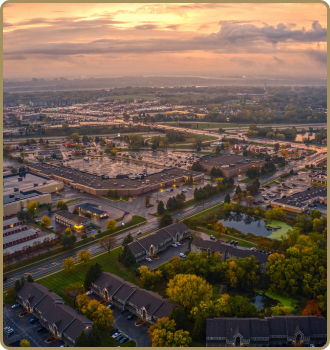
x,y
14,306
9,331
190,188
231,242
50,227
235,243
116,335
148,259
33,320
129,317
89,292
174,245
113,331
212,237
41,329
110,306
124,340
5,279
182,256
139,233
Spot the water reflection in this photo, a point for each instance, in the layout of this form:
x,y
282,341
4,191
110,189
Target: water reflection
x,y
247,224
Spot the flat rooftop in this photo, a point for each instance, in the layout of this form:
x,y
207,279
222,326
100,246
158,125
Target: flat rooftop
x,y
18,235
21,195
300,199
96,181
27,183
225,160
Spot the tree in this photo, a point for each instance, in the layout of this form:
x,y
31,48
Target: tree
x,y
149,278
227,145
68,265
281,310
127,258
93,272
147,199
249,200
68,241
196,166
84,256
315,214
45,221
135,141
75,137
311,308
227,198
88,215
82,340
29,278
164,334
160,208
31,208
24,343
111,225
153,147
13,170
238,190
166,220
17,285
95,339
68,231
128,239
103,317
73,291
188,290
242,307
107,243
61,205
76,212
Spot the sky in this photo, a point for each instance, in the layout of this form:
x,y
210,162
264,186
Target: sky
x,y
164,39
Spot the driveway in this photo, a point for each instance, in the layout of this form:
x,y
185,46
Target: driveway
x,y
166,255
24,330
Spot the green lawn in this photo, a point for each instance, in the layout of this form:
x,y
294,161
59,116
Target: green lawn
x,y
282,227
286,301
247,180
125,198
58,281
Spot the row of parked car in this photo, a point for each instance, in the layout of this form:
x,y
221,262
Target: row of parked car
x,y
115,334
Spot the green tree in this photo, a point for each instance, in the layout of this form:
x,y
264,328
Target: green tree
x,y
68,231
128,239
73,291
84,256
227,198
127,258
75,137
29,278
68,241
281,310
160,208
135,141
92,273
166,220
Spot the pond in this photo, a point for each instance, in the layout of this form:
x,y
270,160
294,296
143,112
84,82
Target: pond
x,y
247,224
310,135
264,302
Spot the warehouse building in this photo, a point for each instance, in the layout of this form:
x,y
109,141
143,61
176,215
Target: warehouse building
x,y
93,209
231,164
280,331
75,222
125,185
298,202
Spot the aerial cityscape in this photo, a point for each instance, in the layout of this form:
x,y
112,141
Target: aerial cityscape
x,y
164,175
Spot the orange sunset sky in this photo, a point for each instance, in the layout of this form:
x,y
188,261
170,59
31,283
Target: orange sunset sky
x,y
197,39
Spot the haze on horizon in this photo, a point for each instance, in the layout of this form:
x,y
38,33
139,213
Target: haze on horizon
x,y
197,39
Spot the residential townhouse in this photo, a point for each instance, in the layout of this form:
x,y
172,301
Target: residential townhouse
x,y
158,241
279,331
61,320
228,251
145,304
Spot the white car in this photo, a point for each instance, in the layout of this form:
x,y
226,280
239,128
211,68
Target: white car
x,y
183,256
168,190
89,292
190,188
174,245
148,259
50,227
14,306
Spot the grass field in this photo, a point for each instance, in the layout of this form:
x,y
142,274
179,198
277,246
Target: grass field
x,y
210,125
286,301
59,280
282,227
247,180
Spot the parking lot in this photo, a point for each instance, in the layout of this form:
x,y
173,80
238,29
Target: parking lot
x,y
24,330
127,327
166,255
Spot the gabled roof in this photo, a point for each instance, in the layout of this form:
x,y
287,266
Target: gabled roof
x,y
213,245
73,217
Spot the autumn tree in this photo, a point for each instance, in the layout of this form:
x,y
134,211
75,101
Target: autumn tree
x,y
188,290
24,343
73,291
149,278
107,243
281,310
84,256
111,225
45,221
164,334
311,308
32,208
68,265
68,231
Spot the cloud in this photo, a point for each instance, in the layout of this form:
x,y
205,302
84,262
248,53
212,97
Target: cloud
x,y
173,26
243,61
278,60
146,27
320,56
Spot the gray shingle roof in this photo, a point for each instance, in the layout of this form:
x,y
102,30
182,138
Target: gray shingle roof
x,y
213,245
